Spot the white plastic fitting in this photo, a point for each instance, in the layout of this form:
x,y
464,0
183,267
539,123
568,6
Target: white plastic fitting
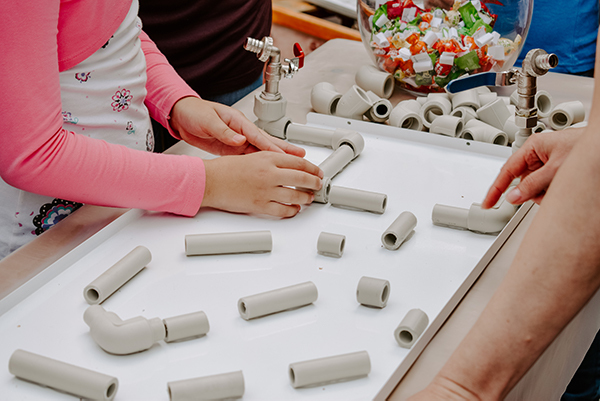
x,y
468,98
486,97
332,369
540,127
490,221
370,78
332,245
447,125
337,161
466,113
122,337
380,109
476,130
322,195
224,386
276,128
543,103
225,243
121,272
510,129
354,103
406,115
279,300
81,382
324,98
434,107
398,231
357,199
373,292
566,114
349,138
494,113
411,327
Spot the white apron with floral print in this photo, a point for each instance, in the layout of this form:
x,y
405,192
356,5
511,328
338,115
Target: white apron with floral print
x,y
103,98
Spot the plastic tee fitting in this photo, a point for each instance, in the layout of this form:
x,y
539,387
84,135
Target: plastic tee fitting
x,y
324,98
83,383
331,369
406,115
279,300
121,272
490,221
223,386
119,337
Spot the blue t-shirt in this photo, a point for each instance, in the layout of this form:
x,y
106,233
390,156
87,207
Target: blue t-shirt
x,y
567,29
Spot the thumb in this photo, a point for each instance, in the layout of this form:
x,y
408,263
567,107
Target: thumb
x,y
221,131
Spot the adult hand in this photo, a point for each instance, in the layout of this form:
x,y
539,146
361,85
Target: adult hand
x,y
262,183
222,130
536,164
443,389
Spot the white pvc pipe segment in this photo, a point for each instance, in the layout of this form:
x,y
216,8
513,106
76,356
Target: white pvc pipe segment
x,y
357,199
337,161
223,386
278,300
186,326
331,369
226,243
83,383
121,272
398,231
373,292
331,245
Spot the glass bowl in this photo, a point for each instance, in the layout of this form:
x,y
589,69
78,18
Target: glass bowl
x,y
425,48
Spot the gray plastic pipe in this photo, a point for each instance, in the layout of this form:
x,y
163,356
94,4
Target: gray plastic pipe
x,y
331,369
119,337
357,199
278,300
330,244
337,161
320,136
223,386
399,230
121,272
490,221
373,292
81,382
411,327
225,243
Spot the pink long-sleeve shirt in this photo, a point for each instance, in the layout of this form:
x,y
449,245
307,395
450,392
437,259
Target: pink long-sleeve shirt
x,y
38,40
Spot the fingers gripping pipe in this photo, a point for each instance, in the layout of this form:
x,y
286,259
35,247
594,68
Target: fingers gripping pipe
x,y
122,337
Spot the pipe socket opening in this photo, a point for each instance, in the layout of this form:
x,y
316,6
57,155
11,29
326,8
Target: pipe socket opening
x,y
334,105
432,113
458,129
467,135
92,295
500,140
388,87
243,310
410,123
390,239
292,376
560,120
342,245
110,391
544,104
381,110
405,336
385,293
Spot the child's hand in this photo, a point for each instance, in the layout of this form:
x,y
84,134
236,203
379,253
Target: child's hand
x,y
261,183
222,130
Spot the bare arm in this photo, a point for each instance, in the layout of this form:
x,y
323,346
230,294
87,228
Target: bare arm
x,y
554,274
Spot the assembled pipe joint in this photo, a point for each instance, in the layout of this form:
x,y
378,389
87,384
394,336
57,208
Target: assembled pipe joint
x,y
490,221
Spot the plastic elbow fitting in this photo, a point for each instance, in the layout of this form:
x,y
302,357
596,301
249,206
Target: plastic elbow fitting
x,y
122,337
275,128
370,78
324,98
490,221
354,103
566,114
406,115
